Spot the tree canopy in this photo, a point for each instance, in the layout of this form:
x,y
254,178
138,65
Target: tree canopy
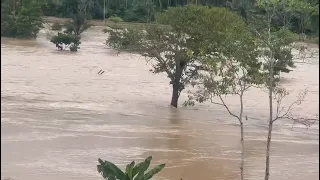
x,y
304,13
183,39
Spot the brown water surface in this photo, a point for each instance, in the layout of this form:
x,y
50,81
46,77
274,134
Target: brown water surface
x,y
58,116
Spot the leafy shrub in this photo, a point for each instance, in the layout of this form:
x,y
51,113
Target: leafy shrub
x,y
56,26
64,40
26,24
110,171
115,19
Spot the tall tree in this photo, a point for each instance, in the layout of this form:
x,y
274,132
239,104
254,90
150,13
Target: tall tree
x,y
276,46
180,40
233,76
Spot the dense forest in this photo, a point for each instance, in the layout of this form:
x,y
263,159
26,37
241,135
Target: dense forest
x,y
304,16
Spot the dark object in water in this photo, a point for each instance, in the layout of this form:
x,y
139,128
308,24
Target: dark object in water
x,y
100,72
59,47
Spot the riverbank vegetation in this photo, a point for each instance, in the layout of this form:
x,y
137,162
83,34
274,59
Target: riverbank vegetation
x,y
304,14
223,48
24,22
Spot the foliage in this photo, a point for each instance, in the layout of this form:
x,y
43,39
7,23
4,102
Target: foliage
x,y
50,8
139,12
181,40
302,16
232,76
56,26
110,171
115,19
78,25
276,44
275,40
8,25
67,8
64,40
70,38
26,24
303,10
233,73
281,49
276,50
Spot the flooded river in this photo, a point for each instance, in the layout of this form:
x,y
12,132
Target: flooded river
x,y
58,116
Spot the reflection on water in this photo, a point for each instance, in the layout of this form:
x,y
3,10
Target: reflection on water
x,y
58,117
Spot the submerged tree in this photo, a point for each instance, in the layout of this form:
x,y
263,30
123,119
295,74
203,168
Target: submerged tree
x,y
232,74
64,40
180,40
70,38
276,46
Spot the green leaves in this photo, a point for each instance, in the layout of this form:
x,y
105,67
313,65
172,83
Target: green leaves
x,y
71,36
142,167
153,171
78,25
63,40
186,40
228,53
26,24
124,39
115,19
109,171
129,169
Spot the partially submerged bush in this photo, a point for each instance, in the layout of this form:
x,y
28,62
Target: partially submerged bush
x,y
64,40
56,26
110,171
70,38
115,19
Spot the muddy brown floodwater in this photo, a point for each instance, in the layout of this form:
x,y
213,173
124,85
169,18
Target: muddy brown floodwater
x,y
58,116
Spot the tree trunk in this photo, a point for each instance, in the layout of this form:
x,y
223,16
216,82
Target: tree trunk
x,y
242,137
268,152
267,172
176,86
14,7
160,4
175,96
242,151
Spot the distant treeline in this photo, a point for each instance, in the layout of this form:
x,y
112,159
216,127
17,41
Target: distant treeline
x,y
304,18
